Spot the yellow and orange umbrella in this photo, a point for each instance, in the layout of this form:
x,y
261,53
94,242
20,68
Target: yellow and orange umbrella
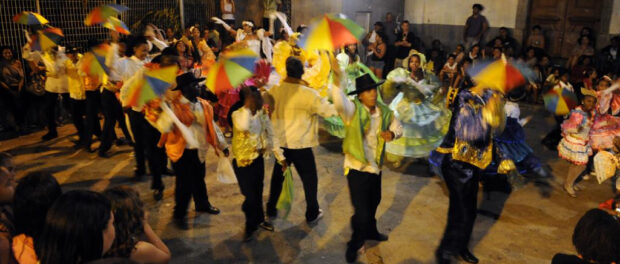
x,y
29,18
46,38
101,14
331,32
231,70
117,25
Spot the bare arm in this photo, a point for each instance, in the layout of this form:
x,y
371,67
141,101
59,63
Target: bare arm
x,y
382,51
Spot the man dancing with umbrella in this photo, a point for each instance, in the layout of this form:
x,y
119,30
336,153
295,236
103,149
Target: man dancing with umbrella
x,y
369,124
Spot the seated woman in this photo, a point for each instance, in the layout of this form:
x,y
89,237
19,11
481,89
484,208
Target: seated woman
x,y
583,49
79,227
135,238
596,240
34,195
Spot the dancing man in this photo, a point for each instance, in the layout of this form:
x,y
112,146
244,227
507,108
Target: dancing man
x,y
369,125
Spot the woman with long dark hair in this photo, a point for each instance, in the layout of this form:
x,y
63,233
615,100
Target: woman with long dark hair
x,y
131,225
78,228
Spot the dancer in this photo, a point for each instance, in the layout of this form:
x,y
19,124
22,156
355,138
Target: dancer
x,y
369,125
55,86
575,146
464,153
187,127
252,137
606,123
425,122
295,120
77,94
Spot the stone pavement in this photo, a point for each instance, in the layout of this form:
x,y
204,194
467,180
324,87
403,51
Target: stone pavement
x,y
531,228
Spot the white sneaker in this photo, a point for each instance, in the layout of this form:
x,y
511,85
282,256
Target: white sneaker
x,y
318,217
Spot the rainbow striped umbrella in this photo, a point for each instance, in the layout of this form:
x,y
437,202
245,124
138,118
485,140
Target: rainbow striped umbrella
x,y
231,70
47,38
331,32
117,25
101,14
559,100
93,62
153,85
29,18
500,74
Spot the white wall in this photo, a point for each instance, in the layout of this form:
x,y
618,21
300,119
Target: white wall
x,y
455,12
614,25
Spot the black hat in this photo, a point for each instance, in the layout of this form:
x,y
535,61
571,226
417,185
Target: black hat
x,y
364,83
516,94
187,79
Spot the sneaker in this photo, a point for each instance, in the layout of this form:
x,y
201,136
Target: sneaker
x,y
317,218
267,226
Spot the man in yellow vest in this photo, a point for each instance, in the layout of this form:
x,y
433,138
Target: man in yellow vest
x,y
369,125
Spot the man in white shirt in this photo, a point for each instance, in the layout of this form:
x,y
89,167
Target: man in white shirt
x,y
369,125
295,116
55,84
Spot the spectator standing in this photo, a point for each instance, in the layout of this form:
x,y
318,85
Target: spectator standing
x,y
389,27
11,87
608,59
475,26
536,39
584,48
405,41
507,40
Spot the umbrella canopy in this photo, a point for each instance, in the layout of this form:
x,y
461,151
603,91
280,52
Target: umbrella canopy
x,y
500,74
29,18
233,69
559,100
93,62
101,14
47,38
331,32
153,85
117,25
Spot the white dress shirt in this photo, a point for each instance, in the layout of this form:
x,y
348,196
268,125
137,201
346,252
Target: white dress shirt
x,y
346,109
165,124
296,113
56,81
130,71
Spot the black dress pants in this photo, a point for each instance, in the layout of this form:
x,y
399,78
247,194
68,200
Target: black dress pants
x,y
303,159
365,191
93,127
146,138
112,113
462,182
78,111
190,183
250,179
51,100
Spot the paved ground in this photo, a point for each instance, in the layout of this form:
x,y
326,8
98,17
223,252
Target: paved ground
x,y
531,228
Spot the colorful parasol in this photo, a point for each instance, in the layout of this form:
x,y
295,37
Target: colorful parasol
x,y
93,62
46,38
331,32
559,100
231,70
29,18
117,25
101,14
153,85
500,74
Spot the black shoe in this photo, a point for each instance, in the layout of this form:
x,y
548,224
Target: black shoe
x,y
180,223
122,141
351,254
267,226
378,237
247,236
168,172
49,136
316,219
103,154
444,257
158,194
272,212
209,209
90,149
468,257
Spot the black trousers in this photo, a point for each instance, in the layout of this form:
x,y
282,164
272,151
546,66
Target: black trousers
x,y
93,106
12,102
462,182
250,180
303,159
365,191
112,113
51,101
78,111
190,173
146,138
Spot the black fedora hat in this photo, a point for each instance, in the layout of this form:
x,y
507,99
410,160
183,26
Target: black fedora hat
x,y
187,79
364,83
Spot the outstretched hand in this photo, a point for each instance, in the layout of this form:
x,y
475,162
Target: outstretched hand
x,y
387,136
337,73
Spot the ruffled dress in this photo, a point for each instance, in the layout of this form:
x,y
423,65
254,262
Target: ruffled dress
x,y
575,145
420,110
606,122
511,142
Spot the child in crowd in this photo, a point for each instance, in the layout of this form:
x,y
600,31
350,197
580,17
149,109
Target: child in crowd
x,y
135,239
448,73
